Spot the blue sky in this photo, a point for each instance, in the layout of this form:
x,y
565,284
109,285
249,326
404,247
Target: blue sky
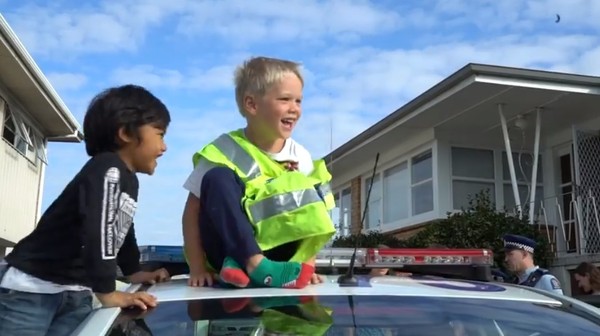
x,y
362,60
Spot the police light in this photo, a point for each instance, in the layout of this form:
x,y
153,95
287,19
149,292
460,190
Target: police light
x,y
473,264
399,257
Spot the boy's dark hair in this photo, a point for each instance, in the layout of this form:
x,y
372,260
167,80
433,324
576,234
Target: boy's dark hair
x,y
128,106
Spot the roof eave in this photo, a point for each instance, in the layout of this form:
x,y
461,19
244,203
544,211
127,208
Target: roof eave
x,y
71,138
41,80
420,100
471,70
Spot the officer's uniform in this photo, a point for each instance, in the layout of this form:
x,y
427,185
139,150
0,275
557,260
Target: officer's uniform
x,y
534,276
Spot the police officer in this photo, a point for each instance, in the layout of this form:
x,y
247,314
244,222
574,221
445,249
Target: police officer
x,y
519,260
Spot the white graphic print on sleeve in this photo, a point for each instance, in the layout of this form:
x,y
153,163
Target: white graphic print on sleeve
x,y
110,197
127,208
118,210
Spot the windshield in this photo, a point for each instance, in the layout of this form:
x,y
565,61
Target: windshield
x,y
357,315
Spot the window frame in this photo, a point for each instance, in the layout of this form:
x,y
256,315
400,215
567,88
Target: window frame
x,y
338,193
467,179
506,181
24,132
407,159
499,181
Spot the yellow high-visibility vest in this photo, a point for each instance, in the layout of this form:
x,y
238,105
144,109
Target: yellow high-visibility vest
x,y
283,206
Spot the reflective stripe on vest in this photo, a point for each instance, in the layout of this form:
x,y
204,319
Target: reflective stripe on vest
x,y
278,204
237,155
325,189
273,205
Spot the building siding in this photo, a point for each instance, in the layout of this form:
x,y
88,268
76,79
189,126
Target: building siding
x,y
19,191
355,188
19,194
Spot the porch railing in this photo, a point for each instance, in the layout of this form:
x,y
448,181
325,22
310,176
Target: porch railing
x,y
571,221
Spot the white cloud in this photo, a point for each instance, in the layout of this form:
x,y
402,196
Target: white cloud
x,y
367,73
67,31
65,81
242,21
355,87
212,79
518,16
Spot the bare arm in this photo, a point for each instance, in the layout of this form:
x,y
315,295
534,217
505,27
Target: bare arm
x,y
191,234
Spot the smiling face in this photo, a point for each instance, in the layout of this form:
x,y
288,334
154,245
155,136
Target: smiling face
x,y
141,155
275,114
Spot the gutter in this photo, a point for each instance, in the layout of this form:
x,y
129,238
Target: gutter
x,y
77,136
39,77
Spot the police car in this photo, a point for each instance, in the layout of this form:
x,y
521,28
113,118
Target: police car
x,y
441,292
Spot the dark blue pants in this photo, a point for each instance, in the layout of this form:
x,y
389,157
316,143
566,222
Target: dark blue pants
x,y
225,228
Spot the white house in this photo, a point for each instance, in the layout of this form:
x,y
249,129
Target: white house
x,y
451,142
31,114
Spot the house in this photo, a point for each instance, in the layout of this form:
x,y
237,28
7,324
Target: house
x,y
451,142
31,114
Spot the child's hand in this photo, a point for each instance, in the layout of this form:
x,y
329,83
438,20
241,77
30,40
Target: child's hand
x,y
316,279
200,277
141,300
160,275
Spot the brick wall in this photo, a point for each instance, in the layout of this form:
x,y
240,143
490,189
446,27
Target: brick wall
x,y
406,233
551,230
355,187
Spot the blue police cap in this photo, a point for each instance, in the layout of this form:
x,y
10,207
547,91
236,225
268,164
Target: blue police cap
x,y
516,242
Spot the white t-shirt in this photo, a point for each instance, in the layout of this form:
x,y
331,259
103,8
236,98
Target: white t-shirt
x,y
292,151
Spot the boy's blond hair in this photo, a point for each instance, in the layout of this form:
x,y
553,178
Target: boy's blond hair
x,y
256,75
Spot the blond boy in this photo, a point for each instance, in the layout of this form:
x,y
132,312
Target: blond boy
x,y
257,205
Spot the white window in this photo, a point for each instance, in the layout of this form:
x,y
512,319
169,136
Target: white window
x,y
396,193
523,164
472,172
21,136
341,215
375,206
422,183
400,191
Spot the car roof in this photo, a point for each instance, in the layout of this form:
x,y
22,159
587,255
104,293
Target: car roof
x,y
177,290
100,321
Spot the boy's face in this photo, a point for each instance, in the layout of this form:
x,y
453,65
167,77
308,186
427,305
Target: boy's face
x,y
276,113
144,154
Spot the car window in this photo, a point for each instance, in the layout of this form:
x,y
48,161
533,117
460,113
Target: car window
x,y
356,315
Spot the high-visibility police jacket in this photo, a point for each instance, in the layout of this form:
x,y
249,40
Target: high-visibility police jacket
x,y
283,206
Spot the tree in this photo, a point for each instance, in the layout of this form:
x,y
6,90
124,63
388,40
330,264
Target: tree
x,y
477,226
481,226
371,239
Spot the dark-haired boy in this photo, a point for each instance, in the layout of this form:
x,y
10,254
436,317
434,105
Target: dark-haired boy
x,y
47,281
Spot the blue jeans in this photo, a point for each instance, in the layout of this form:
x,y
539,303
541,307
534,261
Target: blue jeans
x,y
25,314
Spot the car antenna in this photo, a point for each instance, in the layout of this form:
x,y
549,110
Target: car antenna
x,y
349,279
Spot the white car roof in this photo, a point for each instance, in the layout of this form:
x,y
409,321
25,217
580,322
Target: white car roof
x,y
177,290
100,321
